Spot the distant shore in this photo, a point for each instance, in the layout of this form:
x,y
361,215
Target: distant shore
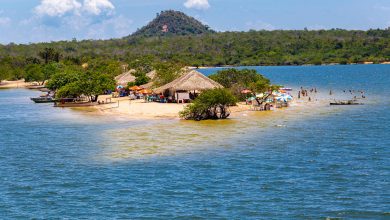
x,y
13,84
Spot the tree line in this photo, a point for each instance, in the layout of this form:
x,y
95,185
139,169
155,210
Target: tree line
x,y
219,49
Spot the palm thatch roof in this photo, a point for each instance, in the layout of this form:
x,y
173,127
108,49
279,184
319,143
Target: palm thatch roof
x,y
151,74
190,81
148,85
124,78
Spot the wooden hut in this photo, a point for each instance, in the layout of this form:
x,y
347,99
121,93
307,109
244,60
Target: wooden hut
x,y
124,78
187,86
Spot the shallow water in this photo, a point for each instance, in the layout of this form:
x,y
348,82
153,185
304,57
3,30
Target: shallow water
x,y
300,163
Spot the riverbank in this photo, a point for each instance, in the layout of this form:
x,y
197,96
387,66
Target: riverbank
x,y
140,110
13,84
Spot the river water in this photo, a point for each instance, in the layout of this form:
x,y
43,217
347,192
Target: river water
x,y
299,163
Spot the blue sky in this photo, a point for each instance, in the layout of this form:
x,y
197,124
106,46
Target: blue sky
x,y
24,21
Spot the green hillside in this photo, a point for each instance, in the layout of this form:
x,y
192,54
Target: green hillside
x,y
169,23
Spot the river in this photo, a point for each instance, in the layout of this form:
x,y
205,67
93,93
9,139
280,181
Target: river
x,y
317,162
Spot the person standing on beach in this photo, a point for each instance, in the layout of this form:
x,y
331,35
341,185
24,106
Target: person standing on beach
x,y
330,92
299,94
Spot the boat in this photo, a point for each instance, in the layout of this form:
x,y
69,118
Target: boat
x,y
47,99
348,102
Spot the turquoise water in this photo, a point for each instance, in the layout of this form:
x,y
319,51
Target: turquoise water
x,y
308,164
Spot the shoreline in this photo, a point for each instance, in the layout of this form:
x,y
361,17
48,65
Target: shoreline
x,y
13,84
139,110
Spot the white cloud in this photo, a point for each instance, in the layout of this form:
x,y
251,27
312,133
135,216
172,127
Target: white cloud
x,y
58,8
97,6
5,21
197,4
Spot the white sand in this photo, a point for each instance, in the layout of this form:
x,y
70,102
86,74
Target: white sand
x,y
13,84
139,109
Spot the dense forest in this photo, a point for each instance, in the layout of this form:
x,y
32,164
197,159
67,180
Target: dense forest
x,y
208,48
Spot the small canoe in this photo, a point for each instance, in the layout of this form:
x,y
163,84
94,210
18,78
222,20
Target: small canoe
x,y
349,102
336,103
42,99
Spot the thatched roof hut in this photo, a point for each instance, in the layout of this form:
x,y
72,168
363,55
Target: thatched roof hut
x,y
125,78
151,74
190,81
148,85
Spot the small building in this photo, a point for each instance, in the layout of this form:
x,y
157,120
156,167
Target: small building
x,y
187,86
124,78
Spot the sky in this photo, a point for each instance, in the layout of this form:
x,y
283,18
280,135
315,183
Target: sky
x,y
30,21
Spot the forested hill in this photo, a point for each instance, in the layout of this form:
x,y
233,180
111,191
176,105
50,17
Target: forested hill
x,y
168,23
226,48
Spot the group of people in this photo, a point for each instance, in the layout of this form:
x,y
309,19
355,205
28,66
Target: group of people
x,y
305,93
352,92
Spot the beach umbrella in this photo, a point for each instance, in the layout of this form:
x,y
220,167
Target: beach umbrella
x,y
146,91
119,87
135,88
283,98
246,91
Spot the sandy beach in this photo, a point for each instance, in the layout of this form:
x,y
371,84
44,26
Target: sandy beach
x,y
139,109
13,84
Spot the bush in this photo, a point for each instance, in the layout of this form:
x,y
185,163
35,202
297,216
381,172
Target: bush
x,y
211,104
237,80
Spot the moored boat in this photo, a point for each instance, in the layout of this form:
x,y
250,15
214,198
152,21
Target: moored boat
x,y
348,102
43,99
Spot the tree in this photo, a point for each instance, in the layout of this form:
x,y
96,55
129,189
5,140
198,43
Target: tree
x,y
94,84
238,80
166,72
50,55
211,104
34,73
141,80
142,65
68,75
4,72
76,83
105,66
51,69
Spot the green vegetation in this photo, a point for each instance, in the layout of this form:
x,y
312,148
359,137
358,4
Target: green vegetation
x,y
166,72
189,43
41,73
74,81
210,104
238,80
169,23
219,49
